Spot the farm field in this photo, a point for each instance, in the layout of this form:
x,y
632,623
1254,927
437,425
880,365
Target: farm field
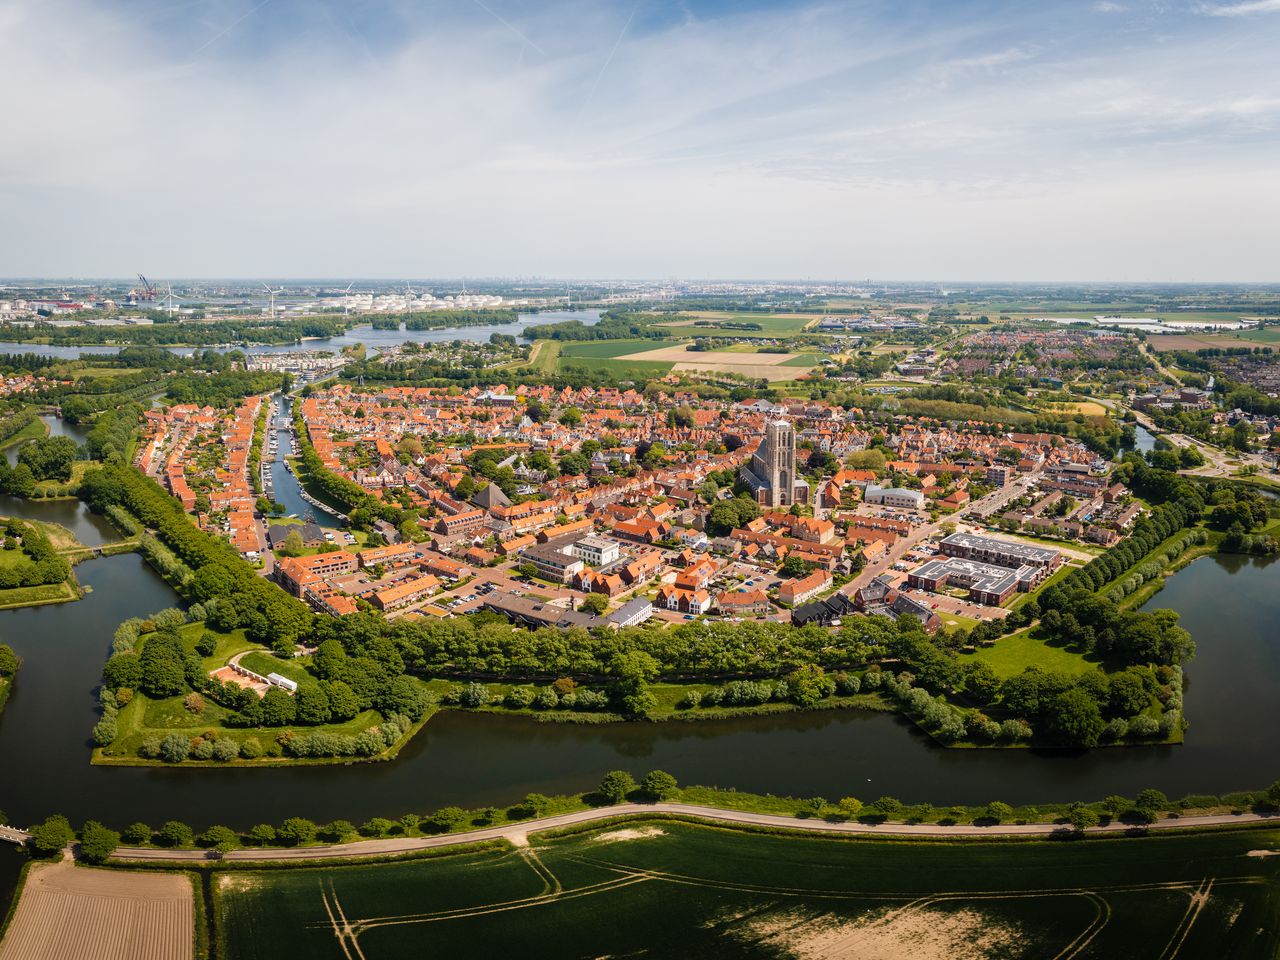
x,y
82,913
779,324
771,366
666,889
1263,336
610,355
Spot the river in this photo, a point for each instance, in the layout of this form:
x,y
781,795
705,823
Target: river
x,y
364,333
1229,604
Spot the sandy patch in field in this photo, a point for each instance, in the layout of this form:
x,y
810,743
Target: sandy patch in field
x,y
1263,853
238,882
72,912
636,833
678,354
755,370
904,934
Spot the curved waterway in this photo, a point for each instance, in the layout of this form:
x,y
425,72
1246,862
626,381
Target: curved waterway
x,y
1229,604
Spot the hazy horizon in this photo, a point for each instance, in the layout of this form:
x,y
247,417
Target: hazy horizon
x,y
280,138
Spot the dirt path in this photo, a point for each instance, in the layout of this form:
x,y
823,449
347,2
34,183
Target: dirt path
x,y
518,834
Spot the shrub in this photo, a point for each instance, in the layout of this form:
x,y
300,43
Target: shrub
x,y
887,806
251,749
225,749
104,731
546,699
337,831
690,701
998,811
474,695
202,750
174,748
518,698
444,820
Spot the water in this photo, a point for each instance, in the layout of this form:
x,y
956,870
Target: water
x,y
1229,604
286,490
11,861
1146,441
371,338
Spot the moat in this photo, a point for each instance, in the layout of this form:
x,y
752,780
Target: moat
x,y
1229,604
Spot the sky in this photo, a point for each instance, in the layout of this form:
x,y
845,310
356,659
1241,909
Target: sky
x,y
1112,140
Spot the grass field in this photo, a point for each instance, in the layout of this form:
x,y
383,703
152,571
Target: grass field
x,y
1014,653
605,354
776,324
32,431
666,889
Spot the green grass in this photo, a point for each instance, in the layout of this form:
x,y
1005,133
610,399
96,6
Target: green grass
x,y
682,890
610,348
621,369
544,355
804,360
1014,653
770,324
32,431
264,664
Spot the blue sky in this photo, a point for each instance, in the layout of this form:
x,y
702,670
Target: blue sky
x,y
1112,140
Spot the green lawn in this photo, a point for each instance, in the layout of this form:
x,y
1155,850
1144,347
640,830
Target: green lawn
x,y
1014,653
32,431
663,889
264,663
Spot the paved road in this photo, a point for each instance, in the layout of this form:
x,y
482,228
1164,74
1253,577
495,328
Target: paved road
x,y
518,834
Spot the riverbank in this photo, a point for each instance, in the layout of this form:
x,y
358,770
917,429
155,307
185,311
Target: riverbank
x,y
518,835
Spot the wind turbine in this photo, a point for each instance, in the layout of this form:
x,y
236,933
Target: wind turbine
x,y
273,298
170,297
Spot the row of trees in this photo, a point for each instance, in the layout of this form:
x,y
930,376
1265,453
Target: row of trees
x,y
268,614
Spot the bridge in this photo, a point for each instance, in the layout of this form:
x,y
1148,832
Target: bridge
x,y
14,835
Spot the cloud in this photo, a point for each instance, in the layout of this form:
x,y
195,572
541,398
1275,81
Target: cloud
x,y
506,137
1107,6
1247,9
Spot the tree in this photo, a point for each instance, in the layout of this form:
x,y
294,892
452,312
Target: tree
x,y
261,834
296,831
220,838
175,833
659,785
137,833
1073,717
8,661
887,806
278,708
998,811
1082,817
596,603
793,567
850,806
527,569
49,458
312,703
980,681
48,838
615,785
293,544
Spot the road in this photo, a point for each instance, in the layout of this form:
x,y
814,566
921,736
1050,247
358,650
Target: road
x,y
518,834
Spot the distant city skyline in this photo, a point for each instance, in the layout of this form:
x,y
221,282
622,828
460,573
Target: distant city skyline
x,y
1002,142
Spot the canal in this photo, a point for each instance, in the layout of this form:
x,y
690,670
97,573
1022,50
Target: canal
x,y
1229,604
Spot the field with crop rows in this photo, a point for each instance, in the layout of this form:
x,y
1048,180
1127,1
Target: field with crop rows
x,y
665,889
81,913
